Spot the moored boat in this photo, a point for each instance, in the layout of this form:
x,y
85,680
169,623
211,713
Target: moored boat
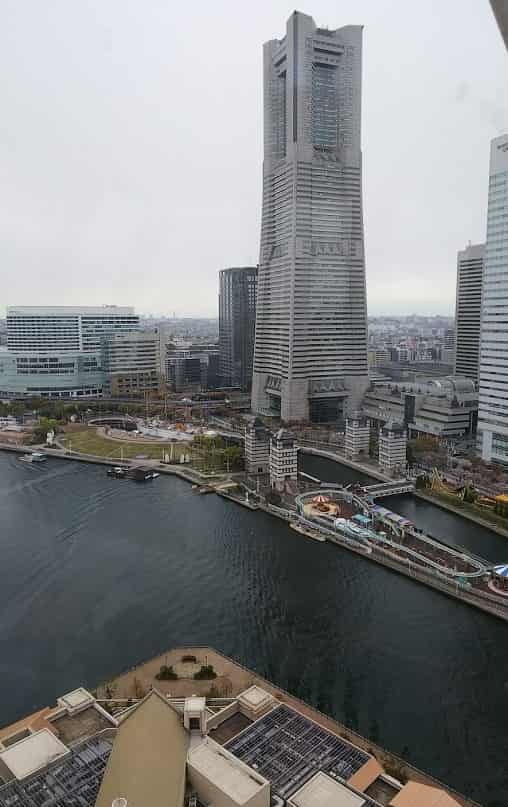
x,y
35,456
117,472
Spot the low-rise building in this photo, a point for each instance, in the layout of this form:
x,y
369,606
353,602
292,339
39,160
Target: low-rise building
x,y
283,459
443,407
250,749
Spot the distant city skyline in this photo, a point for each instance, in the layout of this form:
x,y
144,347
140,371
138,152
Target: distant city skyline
x,y
113,189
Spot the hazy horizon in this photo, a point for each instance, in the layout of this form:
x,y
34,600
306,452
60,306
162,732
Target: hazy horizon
x,y
131,147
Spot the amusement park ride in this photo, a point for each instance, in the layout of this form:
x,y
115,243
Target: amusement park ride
x,y
465,492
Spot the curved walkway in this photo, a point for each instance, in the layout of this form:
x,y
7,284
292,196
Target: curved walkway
x,y
371,538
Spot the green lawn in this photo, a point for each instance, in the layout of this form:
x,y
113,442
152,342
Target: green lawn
x,y
89,442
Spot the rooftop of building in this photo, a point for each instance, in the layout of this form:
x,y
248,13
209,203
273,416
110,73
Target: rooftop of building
x,y
394,427
62,310
76,716
229,774
446,386
148,757
323,791
31,753
254,741
72,728
284,436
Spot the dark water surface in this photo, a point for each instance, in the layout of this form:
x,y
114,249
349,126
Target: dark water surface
x,y
97,574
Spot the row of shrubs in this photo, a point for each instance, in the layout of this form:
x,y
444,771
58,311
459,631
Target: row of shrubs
x,y
167,673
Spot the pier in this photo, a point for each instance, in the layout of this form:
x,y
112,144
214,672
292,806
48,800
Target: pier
x,y
390,488
351,519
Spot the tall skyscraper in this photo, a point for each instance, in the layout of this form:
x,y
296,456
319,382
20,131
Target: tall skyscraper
x,y
493,391
500,9
311,322
470,263
237,321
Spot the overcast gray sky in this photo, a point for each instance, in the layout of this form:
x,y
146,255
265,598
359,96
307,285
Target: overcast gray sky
x,y
131,145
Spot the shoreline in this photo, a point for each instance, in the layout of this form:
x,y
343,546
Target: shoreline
x,y
194,477
444,505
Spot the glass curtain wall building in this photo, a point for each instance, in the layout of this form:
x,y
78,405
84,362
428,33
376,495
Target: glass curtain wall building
x,y
493,385
310,356
470,263
237,320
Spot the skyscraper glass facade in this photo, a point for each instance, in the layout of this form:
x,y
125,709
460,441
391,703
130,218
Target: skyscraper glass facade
x,y
493,386
310,358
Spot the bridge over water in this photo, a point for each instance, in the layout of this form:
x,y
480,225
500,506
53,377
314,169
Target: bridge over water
x,y
390,488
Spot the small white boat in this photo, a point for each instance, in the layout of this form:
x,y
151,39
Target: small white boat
x,y
35,456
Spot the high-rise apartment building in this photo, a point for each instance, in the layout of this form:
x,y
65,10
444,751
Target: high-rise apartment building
x,y
493,389
237,321
470,263
311,324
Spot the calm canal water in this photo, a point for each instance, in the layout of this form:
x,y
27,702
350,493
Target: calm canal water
x,y
97,574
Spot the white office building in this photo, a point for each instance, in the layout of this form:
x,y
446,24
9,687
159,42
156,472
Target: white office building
x,y
56,351
470,264
493,384
310,355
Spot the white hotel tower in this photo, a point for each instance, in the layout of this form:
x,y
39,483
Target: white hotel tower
x,y
311,323
493,389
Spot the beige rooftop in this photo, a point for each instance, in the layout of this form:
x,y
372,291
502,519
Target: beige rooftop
x,y
255,697
225,772
415,794
147,763
195,704
77,699
323,791
33,753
